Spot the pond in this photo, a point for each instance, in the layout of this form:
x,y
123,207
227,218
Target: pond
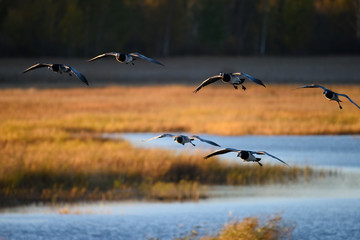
x,y
322,209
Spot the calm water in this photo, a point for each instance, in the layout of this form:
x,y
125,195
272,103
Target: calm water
x,y
314,218
331,151
325,209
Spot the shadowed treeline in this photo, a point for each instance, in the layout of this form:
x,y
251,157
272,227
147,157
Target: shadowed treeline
x,y
78,28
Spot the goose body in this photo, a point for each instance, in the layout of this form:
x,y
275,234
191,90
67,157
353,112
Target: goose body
x,y
59,68
331,95
246,155
234,79
125,57
182,139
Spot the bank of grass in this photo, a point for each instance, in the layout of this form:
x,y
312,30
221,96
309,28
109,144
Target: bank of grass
x,y
252,228
276,109
51,150
95,169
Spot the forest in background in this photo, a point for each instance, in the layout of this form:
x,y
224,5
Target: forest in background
x,y
85,28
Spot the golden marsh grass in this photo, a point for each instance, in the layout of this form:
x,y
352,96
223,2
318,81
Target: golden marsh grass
x,y
93,169
254,228
51,150
277,109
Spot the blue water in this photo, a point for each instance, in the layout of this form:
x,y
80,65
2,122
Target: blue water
x,y
322,209
326,151
313,218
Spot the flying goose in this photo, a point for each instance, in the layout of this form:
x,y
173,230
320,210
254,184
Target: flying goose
x,y
59,68
235,79
332,96
126,57
182,139
246,155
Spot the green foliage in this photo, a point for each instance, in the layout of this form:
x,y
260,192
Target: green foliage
x,y
298,17
213,22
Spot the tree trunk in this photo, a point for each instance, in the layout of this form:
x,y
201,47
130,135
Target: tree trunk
x,y
167,37
264,29
357,26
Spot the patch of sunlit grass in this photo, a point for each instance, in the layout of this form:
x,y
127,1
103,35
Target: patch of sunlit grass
x,y
252,228
94,169
277,109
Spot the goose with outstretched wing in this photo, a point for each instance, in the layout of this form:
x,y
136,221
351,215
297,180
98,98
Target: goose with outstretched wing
x,y
59,68
245,155
125,57
331,95
235,79
182,139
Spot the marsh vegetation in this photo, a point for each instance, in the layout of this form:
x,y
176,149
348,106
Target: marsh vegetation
x,y
254,228
51,149
277,109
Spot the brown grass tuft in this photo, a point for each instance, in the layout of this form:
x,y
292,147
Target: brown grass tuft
x,y
251,228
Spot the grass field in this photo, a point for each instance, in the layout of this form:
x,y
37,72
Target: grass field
x,y
277,109
51,149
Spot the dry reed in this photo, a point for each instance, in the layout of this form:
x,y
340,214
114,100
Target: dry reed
x,y
221,110
252,228
50,147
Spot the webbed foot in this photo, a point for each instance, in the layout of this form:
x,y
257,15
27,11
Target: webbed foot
x,y
340,105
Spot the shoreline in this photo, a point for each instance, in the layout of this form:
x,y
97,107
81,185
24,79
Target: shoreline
x,y
328,187
187,70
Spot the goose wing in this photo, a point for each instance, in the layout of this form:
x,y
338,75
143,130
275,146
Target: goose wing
x,y
78,75
314,86
222,151
138,55
207,82
266,153
255,80
114,54
344,95
204,140
38,65
160,136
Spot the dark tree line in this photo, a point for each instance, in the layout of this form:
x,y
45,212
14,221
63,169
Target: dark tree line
x,y
83,28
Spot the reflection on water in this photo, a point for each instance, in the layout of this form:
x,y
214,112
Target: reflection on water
x,y
331,151
322,209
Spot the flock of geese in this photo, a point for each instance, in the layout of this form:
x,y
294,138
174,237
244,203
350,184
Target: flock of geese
x,y
246,155
235,79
